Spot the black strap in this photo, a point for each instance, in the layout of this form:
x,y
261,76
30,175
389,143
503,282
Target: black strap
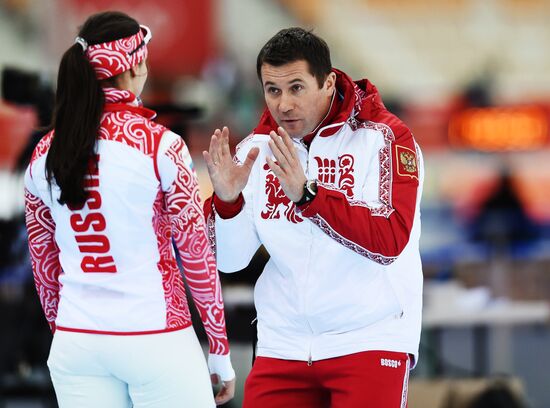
x,y
254,324
305,197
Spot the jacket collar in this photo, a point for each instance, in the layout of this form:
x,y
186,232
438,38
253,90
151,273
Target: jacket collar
x,y
123,100
359,100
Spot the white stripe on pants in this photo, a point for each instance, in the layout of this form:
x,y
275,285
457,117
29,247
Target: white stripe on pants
x,y
165,370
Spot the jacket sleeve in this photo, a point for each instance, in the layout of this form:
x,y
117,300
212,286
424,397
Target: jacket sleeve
x,y
183,204
378,230
43,251
233,232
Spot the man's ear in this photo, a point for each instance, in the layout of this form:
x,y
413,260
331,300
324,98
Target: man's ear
x,y
330,82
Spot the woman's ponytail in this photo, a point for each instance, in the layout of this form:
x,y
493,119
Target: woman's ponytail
x,y
76,120
79,106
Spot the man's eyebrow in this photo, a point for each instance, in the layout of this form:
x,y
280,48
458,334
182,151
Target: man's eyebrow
x,y
295,80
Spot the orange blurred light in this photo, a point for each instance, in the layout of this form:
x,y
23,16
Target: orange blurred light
x,y
500,129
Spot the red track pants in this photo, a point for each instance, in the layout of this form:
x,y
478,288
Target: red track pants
x,y
371,379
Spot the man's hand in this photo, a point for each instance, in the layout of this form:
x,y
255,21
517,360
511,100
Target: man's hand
x,y
287,167
228,178
227,391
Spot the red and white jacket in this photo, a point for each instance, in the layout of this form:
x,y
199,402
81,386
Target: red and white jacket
x,y
109,267
345,273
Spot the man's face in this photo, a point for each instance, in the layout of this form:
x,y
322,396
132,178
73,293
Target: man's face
x,y
294,98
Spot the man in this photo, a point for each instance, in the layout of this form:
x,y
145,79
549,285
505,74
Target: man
x,y
330,183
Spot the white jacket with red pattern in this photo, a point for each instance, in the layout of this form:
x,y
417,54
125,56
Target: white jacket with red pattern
x,y
345,274
109,266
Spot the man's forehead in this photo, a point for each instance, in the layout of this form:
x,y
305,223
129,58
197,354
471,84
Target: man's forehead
x,y
292,72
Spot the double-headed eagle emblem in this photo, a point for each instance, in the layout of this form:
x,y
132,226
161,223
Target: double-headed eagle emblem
x,y
408,160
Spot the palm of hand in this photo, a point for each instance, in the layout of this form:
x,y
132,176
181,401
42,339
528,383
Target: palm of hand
x,y
228,178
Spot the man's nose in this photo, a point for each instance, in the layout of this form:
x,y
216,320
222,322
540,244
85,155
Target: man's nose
x,y
286,103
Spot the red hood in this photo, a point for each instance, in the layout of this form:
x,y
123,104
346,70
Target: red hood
x,y
360,99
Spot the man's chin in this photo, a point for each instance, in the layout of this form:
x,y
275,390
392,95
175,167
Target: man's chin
x,y
293,133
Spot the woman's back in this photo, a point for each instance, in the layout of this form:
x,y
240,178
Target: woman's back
x,y
118,267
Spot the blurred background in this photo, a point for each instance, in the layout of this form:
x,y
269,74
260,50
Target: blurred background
x,y
471,78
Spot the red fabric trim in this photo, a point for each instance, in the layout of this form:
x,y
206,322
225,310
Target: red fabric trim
x,y
113,333
156,144
139,110
228,210
314,206
305,206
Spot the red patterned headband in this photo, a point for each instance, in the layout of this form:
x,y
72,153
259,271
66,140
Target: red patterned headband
x,y
114,57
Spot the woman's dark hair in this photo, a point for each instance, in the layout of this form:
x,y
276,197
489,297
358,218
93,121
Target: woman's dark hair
x,y
78,107
294,44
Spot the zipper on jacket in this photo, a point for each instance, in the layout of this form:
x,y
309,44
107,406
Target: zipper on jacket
x,y
309,358
302,145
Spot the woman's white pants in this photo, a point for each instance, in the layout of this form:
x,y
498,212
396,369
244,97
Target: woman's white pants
x,y
166,370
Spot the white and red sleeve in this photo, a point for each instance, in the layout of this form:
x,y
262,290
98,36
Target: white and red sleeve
x,y
43,251
188,226
380,232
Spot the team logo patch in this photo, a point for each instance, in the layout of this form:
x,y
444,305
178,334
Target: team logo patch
x,y
406,162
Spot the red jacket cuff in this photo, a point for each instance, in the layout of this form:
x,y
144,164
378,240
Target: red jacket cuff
x,y
312,208
228,210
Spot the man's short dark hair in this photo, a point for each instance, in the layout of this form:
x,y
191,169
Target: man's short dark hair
x,y
294,44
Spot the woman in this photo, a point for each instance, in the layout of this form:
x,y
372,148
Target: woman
x,y
106,192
